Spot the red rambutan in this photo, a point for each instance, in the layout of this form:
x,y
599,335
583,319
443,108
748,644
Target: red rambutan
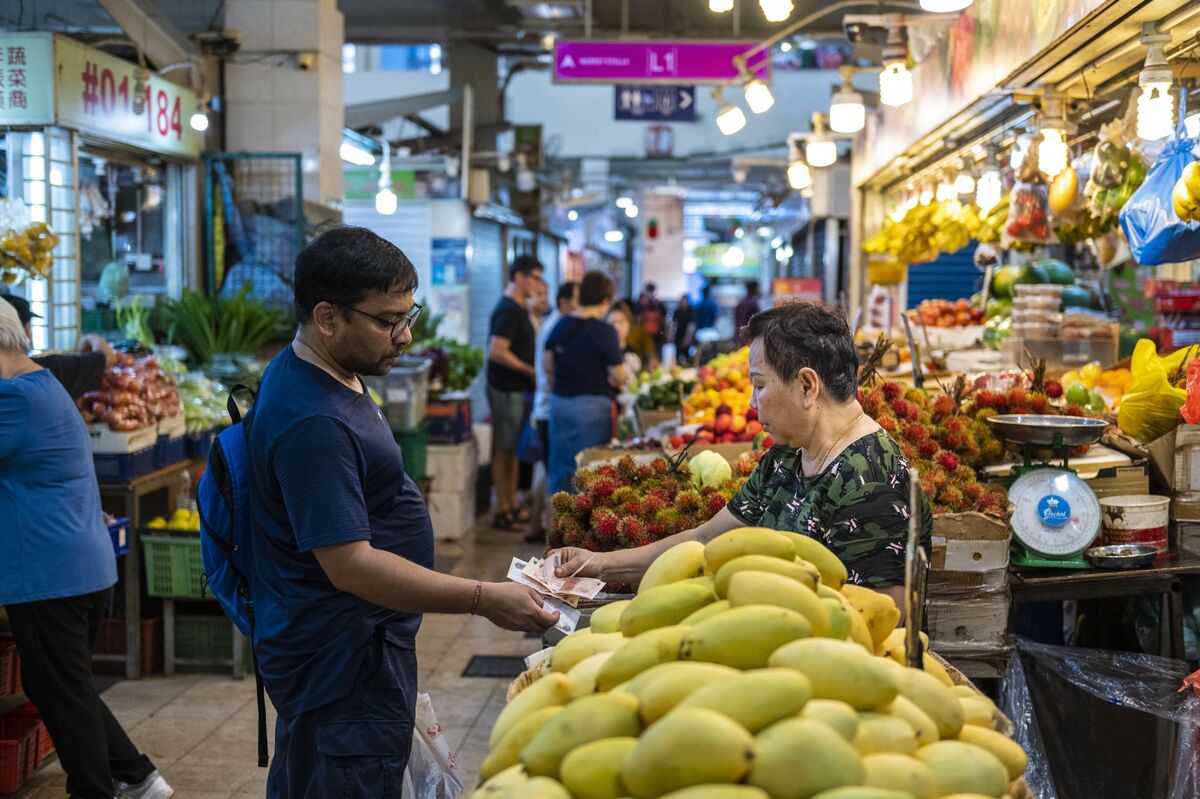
x,y
943,406
892,390
603,487
888,424
604,524
964,474
584,505
947,460
973,491
688,501
630,529
951,497
915,433
928,448
562,503
1054,389
715,503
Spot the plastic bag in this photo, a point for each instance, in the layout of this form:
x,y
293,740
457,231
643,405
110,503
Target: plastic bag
x,y
1076,682
1151,406
431,773
1191,406
1155,233
1029,214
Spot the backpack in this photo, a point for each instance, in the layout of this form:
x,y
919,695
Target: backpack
x,y
223,500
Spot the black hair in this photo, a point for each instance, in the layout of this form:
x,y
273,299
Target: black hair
x,y
813,335
567,291
704,292
345,264
595,288
524,265
751,288
651,288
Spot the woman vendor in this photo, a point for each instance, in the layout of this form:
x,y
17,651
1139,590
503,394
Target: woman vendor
x,y
833,474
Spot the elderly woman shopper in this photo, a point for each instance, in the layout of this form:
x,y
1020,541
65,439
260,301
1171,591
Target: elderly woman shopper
x,y
57,569
584,364
833,474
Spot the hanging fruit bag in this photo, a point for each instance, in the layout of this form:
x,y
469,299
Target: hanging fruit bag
x,y
1151,407
1151,219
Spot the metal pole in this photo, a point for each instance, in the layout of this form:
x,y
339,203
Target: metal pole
x,y
468,137
737,17
624,18
587,19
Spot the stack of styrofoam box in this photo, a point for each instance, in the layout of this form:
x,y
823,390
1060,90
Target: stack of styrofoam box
x,y
451,469
968,594
170,447
122,456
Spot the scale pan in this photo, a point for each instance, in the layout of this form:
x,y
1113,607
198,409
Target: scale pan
x,y
1070,431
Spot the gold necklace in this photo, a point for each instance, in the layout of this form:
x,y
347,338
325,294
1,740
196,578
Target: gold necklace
x,y
821,460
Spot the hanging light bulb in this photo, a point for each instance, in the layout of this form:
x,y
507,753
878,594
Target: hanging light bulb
x,y
945,6
137,100
776,10
964,183
758,96
945,189
989,189
1155,104
199,120
720,6
821,150
798,173
1052,151
385,198
895,81
730,118
847,114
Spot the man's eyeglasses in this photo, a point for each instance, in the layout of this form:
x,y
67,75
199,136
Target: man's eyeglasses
x,y
397,326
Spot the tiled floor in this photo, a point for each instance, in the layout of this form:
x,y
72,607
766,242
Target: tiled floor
x,y
200,729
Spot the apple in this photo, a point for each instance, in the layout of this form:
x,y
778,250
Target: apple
x,y
724,410
751,414
727,438
753,427
676,442
738,423
705,435
723,423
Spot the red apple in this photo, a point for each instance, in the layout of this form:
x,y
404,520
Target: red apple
x,y
753,427
724,410
723,423
751,414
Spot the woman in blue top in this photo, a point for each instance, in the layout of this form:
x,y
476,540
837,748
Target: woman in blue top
x,y
584,363
56,572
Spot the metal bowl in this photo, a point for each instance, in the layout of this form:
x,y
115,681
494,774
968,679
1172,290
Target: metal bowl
x,y
1049,431
1122,556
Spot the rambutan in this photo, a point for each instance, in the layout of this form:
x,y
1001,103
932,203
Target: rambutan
x,y
954,424
891,390
657,530
910,452
627,469
986,413
603,487
987,399
888,424
624,494
745,465
939,477
951,497
964,474
715,503
928,448
688,501
947,460
604,524
606,470
574,538
669,518
915,433
659,466
1054,389
954,441
1039,403
1016,396
631,529
973,491
631,508
916,396
584,505
927,487
562,503
901,408
653,503
943,406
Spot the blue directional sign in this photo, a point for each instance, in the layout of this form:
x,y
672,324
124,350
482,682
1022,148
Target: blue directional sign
x,y
655,103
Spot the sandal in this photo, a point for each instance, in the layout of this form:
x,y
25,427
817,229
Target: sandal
x,y
504,520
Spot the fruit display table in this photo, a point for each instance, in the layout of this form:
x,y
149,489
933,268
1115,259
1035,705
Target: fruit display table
x,y
128,498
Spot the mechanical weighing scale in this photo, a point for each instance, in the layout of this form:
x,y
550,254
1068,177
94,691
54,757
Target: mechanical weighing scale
x,y
1056,516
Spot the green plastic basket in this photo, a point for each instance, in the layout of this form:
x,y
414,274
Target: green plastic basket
x,y
207,638
414,446
174,567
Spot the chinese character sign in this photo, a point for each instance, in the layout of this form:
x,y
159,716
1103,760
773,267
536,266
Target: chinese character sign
x,y
101,94
26,79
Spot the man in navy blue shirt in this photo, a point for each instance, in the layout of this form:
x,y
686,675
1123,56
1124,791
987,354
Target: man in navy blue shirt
x,y
343,545
707,310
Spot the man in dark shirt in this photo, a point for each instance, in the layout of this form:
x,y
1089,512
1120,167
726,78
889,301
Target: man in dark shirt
x,y
746,308
79,372
510,382
706,311
343,544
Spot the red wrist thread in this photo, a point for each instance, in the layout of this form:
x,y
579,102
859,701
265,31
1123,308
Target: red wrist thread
x,y
475,602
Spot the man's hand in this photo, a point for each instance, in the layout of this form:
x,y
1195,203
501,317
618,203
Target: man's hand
x,y
571,558
514,607
93,343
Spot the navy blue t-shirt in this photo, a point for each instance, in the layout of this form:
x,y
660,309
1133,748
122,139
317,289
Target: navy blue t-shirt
x,y
325,470
583,350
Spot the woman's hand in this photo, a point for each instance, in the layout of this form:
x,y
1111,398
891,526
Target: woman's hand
x,y
572,558
512,606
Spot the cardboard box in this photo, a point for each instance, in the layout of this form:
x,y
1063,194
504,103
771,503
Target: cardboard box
x,y
1187,459
650,418
451,468
944,584
452,514
968,624
970,542
1188,534
449,421
1121,481
595,455
730,452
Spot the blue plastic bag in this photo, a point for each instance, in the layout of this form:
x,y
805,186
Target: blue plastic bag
x,y
1155,233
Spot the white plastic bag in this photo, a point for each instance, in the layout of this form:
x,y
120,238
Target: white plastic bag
x,y
431,773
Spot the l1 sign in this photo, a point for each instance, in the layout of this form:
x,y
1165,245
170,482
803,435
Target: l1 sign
x,y
684,62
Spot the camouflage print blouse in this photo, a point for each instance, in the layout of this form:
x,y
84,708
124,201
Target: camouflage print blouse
x,y
858,506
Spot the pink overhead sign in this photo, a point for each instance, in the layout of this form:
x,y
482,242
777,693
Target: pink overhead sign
x,y
655,62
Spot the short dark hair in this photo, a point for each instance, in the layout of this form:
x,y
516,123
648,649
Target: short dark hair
x,y
651,288
595,288
345,264
567,291
704,292
751,288
811,335
625,309
524,265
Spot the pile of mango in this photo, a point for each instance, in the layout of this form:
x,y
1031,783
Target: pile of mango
x,y
747,668
181,519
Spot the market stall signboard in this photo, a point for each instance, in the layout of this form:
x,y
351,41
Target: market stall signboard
x,y
27,79
95,95
672,62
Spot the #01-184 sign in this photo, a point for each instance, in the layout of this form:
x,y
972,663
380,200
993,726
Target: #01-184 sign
x,y
95,95
27,79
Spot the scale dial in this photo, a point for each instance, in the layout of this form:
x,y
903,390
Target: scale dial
x,y
1055,513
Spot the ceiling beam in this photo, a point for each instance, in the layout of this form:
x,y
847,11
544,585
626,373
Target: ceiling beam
x,y
373,114
158,38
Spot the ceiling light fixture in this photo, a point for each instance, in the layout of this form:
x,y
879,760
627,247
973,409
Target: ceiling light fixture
x,y
614,236
631,211
351,153
821,150
785,47
720,6
1052,151
624,201
776,10
758,96
730,118
847,114
1155,104
895,81
385,198
798,173
572,215
945,6
964,183
199,120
